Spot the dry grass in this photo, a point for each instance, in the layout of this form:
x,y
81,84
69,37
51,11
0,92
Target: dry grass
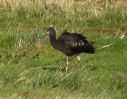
x,y
96,7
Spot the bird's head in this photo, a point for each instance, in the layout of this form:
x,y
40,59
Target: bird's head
x,y
51,30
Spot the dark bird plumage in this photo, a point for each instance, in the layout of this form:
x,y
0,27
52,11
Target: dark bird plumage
x,y
70,44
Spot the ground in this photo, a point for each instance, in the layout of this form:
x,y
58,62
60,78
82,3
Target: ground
x,y
31,68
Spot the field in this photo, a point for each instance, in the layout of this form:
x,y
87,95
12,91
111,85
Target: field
x,y
31,69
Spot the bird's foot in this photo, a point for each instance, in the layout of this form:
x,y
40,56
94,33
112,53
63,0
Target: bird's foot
x,y
78,58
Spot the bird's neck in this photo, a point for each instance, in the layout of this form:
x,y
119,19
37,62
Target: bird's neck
x,y
52,40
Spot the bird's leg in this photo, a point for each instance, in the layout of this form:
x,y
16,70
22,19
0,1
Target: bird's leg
x,y
67,63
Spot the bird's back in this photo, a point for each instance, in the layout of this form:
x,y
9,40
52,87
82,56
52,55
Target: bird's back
x,y
71,37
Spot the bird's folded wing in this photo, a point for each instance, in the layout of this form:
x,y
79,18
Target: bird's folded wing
x,y
76,44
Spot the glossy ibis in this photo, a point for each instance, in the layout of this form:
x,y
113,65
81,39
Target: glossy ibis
x,y
70,44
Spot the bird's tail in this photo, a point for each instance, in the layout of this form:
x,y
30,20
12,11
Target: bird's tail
x,y
88,48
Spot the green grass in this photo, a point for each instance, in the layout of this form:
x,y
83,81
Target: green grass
x,y
98,76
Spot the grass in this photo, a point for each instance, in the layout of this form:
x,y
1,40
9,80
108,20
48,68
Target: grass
x,y
31,68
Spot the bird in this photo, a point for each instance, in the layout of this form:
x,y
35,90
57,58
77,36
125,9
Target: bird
x,y
70,44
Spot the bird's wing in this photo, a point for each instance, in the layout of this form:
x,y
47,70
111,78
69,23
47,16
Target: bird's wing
x,y
72,39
